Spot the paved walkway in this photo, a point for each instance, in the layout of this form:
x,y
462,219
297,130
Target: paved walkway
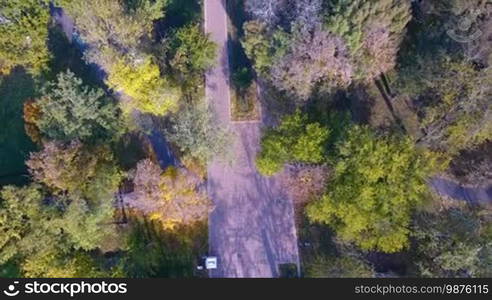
x,y
478,196
251,229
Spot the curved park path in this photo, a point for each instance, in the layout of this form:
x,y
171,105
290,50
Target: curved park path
x,y
251,229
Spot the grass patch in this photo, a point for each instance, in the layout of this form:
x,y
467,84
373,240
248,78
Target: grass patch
x,y
132,148
244,91
244,104
68,56
288,270
15,89
314,240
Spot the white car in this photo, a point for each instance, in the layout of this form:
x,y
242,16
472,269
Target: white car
x,y
208,262
211,262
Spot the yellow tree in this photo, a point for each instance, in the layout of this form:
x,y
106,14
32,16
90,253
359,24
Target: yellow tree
x,y
150,92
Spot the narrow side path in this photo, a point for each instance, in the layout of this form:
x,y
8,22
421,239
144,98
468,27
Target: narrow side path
x,y
477,196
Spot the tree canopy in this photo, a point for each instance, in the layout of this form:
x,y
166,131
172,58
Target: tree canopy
x,y
69,110
195,132
372,31
456,109
75,168
314,57
191,51
24,35
114,27
295,140
366,105
171,196
452,243
43,231
328,45
150,92
377,182
64,220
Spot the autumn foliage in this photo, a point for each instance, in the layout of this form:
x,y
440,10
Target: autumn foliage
x,y
172,196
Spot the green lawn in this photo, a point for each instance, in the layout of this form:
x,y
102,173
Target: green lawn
x,y
155,252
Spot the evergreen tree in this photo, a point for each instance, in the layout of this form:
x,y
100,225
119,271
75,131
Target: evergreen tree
x,y
71,111
372,31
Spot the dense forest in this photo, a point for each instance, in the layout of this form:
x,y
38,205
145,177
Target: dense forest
x,y
370,106
82,110
382,98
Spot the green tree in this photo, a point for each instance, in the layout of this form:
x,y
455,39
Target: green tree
x,y
192,51
87,223
65,262
195,132
23,34
19,209
36,243
454,98
43,231
295,140
69,110
449,82
114,27
452,243
79,264
83,182
257,45
376,183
